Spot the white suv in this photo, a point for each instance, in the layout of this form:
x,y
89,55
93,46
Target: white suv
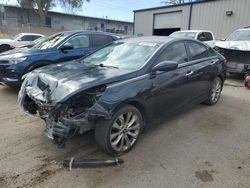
x,y
19,40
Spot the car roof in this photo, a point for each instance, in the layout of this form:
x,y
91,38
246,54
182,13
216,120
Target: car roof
x,y
243,29
159,40
151,39
196,31
87,32
31,34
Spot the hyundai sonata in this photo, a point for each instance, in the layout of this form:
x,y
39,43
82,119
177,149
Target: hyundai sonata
x,y
120,88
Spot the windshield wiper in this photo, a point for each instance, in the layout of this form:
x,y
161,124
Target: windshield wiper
x,y
108,66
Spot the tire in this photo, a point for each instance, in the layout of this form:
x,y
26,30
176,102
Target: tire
x,y
124,139
215,92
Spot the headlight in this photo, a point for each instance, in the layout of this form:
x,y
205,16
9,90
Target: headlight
x,y
17,60
13,59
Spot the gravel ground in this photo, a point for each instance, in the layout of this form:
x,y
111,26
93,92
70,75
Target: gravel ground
x,y
200,147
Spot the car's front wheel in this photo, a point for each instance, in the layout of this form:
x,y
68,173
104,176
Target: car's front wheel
x,y
119,134
215,92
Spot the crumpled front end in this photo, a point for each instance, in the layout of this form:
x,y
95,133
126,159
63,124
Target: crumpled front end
x,y
41,96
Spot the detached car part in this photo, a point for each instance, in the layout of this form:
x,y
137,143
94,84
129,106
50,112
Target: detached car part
x,y
92,163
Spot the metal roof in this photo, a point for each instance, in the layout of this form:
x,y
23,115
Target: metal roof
x,y
177,5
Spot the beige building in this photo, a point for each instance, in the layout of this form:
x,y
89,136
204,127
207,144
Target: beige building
x,y
220,16
15,17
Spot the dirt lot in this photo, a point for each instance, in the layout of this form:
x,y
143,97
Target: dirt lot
x,y
201,147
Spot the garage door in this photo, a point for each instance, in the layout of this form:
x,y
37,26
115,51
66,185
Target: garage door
x,y
168,20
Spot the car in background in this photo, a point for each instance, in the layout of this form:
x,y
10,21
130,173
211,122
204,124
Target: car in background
x,y
33,43
236,48
19,40
60,47
120,88
201,35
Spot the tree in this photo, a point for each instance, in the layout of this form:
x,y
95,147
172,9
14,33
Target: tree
x,y
41,7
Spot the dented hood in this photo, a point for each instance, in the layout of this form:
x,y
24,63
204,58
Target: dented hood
x,y
234,45
56,83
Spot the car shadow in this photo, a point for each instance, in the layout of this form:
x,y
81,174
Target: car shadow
x,y
237,77
164,120
9,90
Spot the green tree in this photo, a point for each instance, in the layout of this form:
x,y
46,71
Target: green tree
x,y
41,7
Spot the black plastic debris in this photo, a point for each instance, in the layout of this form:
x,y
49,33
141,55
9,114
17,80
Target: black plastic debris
x,y
92,163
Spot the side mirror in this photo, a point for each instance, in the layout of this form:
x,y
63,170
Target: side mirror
x,y
223,39
66,46
165,66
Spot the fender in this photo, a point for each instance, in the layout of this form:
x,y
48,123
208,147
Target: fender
x,y
38,64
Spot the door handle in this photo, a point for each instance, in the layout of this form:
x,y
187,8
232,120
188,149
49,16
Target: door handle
x,y
189,73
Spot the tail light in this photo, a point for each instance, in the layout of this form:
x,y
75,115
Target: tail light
x,y
225,61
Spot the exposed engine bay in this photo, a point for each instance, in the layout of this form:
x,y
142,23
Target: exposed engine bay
x,y
63,119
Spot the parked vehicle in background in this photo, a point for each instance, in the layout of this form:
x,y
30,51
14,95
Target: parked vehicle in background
x,y
236,48
60,47
118,89
201,35
33,43
19,40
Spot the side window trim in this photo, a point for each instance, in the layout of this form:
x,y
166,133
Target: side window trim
x,y
196,61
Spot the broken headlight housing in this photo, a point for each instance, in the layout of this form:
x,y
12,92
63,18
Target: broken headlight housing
x,y
78,105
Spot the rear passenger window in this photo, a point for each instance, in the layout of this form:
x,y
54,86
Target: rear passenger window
x,y
212,52
34,37
197,51
101,40
175,52
27,38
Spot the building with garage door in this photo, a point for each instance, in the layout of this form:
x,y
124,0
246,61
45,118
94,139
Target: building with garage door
x,y
220,16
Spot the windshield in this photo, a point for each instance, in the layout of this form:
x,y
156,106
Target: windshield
x,y
50,41
243,35
129,56
184,35
17,36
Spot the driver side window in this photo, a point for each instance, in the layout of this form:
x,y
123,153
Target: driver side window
x,y
79,41
174,52
202,37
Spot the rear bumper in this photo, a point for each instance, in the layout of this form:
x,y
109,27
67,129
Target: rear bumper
x,y
235,67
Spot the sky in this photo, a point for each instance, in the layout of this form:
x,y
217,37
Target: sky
x,y
113,9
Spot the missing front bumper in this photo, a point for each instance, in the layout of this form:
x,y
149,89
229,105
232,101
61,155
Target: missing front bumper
x,y
64,129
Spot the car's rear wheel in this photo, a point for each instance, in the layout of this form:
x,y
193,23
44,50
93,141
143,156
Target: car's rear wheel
x,y
215,92
119,134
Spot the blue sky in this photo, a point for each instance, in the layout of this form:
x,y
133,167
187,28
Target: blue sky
x,y
113,9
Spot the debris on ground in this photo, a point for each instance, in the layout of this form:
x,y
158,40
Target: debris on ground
x,y
92,163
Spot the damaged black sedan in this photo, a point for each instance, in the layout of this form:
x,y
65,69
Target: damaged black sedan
x,y
121,87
